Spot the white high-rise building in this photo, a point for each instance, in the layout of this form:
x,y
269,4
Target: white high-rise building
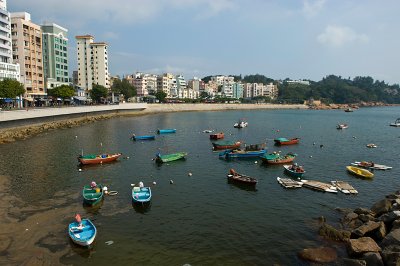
x,y
7,68
92,63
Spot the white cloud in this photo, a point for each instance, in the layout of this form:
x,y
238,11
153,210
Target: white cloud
x,y
338,36
312,8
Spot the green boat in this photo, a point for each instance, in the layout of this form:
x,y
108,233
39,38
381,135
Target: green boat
x,y
92,194
170,157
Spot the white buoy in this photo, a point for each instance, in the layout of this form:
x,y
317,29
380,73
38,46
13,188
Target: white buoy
x,y
171,181
76,137
127,157
80,170
154,183
189,174
256,162
310,156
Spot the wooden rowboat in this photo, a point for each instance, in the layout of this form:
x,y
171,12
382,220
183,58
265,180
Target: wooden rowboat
x,y
92,195
226,145
294,170
285,141
244,179
96,159
359,172
83,234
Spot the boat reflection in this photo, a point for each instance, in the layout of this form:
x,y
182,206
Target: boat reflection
x,y
84,252
242,186
93,209
141,207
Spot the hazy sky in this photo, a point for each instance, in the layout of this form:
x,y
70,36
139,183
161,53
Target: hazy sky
x,y
303,39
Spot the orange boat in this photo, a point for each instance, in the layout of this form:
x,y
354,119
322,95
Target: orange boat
x,y
285,141
98,159
226,144
219,135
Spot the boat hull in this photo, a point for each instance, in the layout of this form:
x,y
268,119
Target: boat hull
x,y
226,146
293,173
91,197
288,142
141,194
359,172
143,138
166,131
242,179
243,154
99,159
84,237
170,157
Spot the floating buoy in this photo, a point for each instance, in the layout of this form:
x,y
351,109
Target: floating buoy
x,y
354,137
189,174
80,170
154,183
310,156
255,162
127,157
321,146
171,181
313,143
76,137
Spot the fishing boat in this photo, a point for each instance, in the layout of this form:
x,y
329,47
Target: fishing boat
x,y
294,170
141,194
244,179
359,171
276,158
249,151
170,157
241,124
145,137
219,135
344,187
285,141
92,194
348,110
166,131
396,123
96,159
226,145
82,234
372,145
371,165
289,183
342,126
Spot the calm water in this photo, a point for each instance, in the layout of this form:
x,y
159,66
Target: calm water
x,y
200,219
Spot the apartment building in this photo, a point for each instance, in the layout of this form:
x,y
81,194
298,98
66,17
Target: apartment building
x,y
92,63
271,90
55,55
145,84
7,68
237,90
27,52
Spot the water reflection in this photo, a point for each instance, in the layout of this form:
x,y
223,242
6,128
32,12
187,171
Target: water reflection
x,y
84,252
93,209
242,186
141,207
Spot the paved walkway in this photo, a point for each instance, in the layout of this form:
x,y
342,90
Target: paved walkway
x,y
55,111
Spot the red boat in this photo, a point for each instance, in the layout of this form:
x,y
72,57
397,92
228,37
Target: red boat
x,y
96,159
219,135
285,141
226,144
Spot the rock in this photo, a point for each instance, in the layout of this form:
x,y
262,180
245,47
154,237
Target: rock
x,y
392,197
354,224
366,217
362,245
366,228
389,217
320,255
381,207
330,232
391,255
393,238
373,258
353,262
364,211
396,225
349,217
381,232
5,243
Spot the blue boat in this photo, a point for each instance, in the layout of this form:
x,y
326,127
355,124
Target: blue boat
x,y
166,131
141,194
82,234
294,170
249,151
145,137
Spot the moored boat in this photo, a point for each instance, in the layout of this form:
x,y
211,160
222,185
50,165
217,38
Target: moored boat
x,y
240,178
241,124
371,165
144,137
372,145
249,151
166,131
348,110
92,194
359,172
294,170
226,145
96,159
342,126
82,233
141,194
276,158
285,141
170,157
219,135
396,123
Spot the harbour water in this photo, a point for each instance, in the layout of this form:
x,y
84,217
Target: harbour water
x,y
200,219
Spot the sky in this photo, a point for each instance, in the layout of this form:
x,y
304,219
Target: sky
x,y
296,39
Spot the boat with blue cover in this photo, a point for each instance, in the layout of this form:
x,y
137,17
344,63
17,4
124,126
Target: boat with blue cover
x,y
144,137
92,194
83,233
166,131
141,194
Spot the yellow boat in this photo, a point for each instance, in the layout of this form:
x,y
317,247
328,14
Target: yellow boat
x,y
360,172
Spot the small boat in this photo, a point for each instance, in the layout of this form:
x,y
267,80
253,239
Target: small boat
x,y
276,158
226,145
342,126
371,165
96,159
244,179
319,186
82,234
141,194
145,137
348,110
92,194
294,170
219,135
285,141
396,123
289,183
372,145
241,124
344,187
249,151
359,172
170,157
166,131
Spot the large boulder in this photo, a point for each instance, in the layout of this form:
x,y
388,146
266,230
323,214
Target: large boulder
x,y
393,238
391,255
373,259
332,233
396,225
362,245
363,211
381,207
353,262
319,255
389,217
366,228
381,231
366,217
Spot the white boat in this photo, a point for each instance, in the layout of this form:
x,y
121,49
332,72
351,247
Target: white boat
x,y
371,165
342,126
372,145
396,123
241,124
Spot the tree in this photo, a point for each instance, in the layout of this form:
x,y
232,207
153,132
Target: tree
x,y
123,87
98,92
63,91
11,88
160,95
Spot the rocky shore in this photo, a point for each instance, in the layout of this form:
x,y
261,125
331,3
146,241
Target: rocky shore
x,y
346,106
371,236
